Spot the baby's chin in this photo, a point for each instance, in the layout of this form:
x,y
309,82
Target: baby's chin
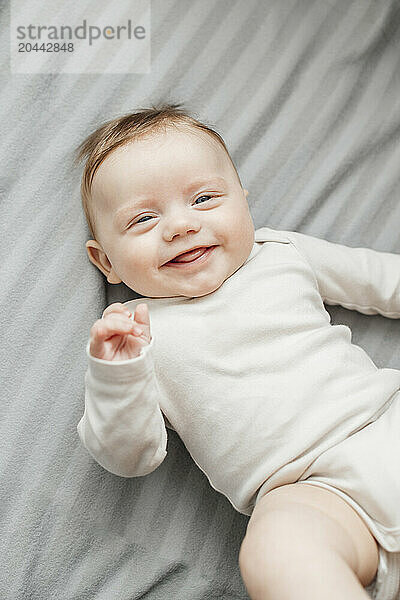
x,y
203,290
203,293
194,292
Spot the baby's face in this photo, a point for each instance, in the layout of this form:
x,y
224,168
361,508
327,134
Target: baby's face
x,y
164,195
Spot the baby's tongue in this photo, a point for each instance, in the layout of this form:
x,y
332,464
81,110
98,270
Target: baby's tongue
x,y
188,256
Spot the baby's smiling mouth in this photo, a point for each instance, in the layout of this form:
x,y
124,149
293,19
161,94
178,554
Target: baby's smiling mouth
x,y
190,256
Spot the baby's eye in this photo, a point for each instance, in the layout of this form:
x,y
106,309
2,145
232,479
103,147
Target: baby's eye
x,y
202,197
145,217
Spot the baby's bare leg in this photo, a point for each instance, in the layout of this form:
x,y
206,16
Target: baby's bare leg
x,y
303,541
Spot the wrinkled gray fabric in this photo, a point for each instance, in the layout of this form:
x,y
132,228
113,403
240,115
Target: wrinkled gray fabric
x,y
306,94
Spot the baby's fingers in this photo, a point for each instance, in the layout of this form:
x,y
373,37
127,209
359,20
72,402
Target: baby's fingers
x,y
142,319
103,329
142,314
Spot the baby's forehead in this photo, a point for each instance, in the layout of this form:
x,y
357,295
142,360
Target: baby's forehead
x,y
166,150
156,139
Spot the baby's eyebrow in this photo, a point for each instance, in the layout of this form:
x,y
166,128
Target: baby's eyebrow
x,y
127,208
199,182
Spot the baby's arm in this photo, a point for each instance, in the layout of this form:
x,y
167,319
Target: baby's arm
x,y
122,427
362,279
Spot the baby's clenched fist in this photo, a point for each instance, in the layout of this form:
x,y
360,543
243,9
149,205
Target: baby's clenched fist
x,y
119,335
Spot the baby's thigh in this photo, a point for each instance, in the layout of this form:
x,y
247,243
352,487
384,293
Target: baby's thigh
x,y
307,519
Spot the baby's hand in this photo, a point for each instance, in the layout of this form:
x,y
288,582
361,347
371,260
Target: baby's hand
x,y
118,335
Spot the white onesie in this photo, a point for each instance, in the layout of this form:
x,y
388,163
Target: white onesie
x,y
261,388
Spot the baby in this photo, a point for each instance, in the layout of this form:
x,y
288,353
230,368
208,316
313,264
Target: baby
x,y
287,418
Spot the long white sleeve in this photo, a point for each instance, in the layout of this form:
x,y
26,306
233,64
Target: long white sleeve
x,y
362,279
123,427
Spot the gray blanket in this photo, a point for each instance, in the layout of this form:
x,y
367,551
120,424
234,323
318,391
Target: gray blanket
x,y
306,94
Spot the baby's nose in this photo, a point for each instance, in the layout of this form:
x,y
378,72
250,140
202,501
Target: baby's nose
x,y
181,227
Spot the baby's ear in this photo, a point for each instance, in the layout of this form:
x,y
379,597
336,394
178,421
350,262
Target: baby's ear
x,y
99,258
